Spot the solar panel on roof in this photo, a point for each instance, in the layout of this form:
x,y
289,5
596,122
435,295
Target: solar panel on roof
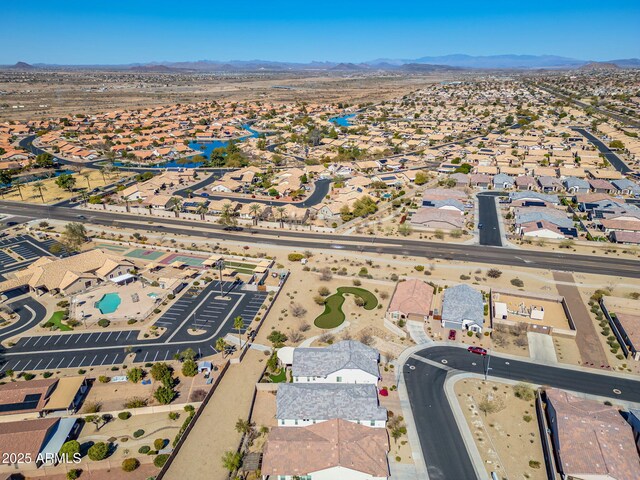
x,y
30,402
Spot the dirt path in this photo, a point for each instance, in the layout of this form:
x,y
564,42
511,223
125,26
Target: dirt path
x,y
214,433
591,349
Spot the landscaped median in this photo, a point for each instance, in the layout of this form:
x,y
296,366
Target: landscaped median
x,y
333,315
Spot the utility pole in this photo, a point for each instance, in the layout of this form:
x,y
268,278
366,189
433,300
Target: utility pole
x,y
220,265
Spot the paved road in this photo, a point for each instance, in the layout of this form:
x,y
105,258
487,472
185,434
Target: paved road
x,y
478,254
611,157
441,441
488,217
201,309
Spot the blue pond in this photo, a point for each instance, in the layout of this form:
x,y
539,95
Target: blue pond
x,y
343,121
205,149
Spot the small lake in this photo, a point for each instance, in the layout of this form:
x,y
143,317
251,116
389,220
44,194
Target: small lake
x,y
343,121
204,149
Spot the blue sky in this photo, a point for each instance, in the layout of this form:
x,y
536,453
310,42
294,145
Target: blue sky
x,y
119,32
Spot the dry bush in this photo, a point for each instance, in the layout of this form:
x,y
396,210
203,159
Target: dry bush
x,y
296,337
197,395
326,274
326,338
366,338
304,326
298,310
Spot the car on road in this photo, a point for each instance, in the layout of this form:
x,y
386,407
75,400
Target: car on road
x,y
233,228
452,334
477,350
11,224
81,217
480,226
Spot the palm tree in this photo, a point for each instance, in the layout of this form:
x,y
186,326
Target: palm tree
x,y
39,186
176,205
104,171
86,174
18,183
238,324
221,344
255,209
281,211
202,210
226,213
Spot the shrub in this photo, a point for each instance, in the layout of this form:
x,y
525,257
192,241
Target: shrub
x,y
295,257
516,282
138,433
323,291
159,443
104,323
98,451
174,415
160,460
124,415
104,379
534,464
144,449
160,372
73,474
134,375
527,418
70,448
524,391
136,402
419,268
130,464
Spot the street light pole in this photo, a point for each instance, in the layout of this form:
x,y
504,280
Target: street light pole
x,y
220,267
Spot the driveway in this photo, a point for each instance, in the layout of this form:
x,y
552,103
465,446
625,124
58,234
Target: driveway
x,y
488,217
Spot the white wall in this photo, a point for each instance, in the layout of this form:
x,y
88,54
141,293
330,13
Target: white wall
x,y
305,423
351,375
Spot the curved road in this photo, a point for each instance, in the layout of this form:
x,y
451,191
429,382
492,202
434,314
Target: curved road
x,y
622,267
441,442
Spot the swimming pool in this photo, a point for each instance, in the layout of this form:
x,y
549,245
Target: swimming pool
x,y
109,303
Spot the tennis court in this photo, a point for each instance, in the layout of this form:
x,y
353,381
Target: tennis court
x,y
143,254
186,259
114,248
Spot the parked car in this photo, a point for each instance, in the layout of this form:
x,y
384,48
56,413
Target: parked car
x,y
480,226
452,334
477,350
233,228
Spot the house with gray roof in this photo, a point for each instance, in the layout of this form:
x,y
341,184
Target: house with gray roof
x,y
625,186
302,404
348,361
576,185
549,184
532,199
463,308
503,181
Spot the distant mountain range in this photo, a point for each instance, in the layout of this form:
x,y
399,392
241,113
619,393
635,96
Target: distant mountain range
x,y
421,65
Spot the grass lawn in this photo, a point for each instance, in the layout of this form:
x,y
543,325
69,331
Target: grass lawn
x,y
280,377
333,315
56,319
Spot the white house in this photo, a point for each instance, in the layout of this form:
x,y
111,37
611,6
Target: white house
x,y
343,362
302,404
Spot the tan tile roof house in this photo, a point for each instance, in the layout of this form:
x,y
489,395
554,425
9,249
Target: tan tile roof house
x,y
68,275
336,448
591,440
411,299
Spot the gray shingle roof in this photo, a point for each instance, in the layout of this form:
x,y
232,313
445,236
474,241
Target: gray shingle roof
x,y
560,220
540,196
462,303
320,362
324,401
570,182
502,178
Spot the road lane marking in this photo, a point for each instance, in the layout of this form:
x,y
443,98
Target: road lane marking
x,y
91,364
68,363
39,362
48,364
154,358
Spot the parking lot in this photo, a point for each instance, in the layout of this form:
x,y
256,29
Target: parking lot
x,y
203,309
25,249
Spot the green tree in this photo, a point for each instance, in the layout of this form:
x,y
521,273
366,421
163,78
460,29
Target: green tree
x,y
221,344
73,236
190,368
44,160
277,338
421,178
66,181
164,394
98,451
161,372
616,144
232,461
